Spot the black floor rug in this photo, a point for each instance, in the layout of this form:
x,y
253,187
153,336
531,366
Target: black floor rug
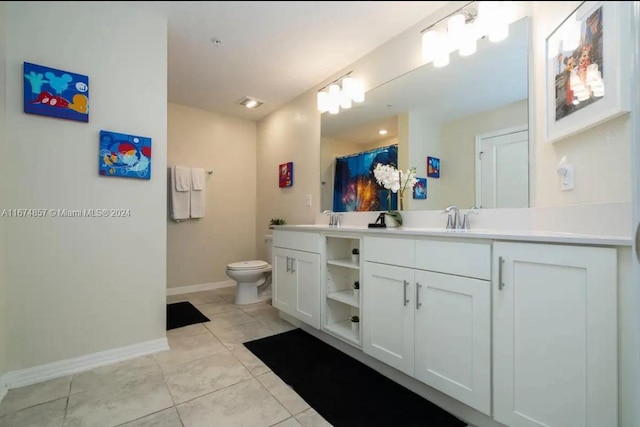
x,y
181,314
342,390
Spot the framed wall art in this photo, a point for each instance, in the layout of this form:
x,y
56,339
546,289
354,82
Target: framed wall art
x,y
55,93
285,175
586,72
124,155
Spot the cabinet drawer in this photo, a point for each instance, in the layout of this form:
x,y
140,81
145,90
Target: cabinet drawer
x,y
460,258
298,240
389,250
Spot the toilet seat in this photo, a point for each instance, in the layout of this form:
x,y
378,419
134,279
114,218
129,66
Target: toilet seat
x,y
247,265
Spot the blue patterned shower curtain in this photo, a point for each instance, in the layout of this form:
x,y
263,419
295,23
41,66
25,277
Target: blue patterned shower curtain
x,y
355,188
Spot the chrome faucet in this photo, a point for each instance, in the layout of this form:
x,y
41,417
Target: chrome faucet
x,y
465,218
453,222
334,218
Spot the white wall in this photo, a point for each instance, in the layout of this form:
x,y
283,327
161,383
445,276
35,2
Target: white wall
x,y
198,250
3,144
83,285
600,156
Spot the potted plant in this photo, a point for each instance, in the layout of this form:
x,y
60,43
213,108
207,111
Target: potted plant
x,y
276,221
355,255
356,290
355,324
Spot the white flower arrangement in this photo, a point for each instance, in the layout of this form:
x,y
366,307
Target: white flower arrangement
x,y
395,180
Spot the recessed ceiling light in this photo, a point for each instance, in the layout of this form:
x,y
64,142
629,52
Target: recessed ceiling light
x,y
250,102
382,131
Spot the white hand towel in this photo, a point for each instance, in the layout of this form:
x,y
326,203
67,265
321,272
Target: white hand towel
x,y
183,178
198,198
179,200
197,179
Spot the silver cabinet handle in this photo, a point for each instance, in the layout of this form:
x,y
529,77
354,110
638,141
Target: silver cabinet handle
x,y
418,303
404,297
500,264
288,268
638,242
293,261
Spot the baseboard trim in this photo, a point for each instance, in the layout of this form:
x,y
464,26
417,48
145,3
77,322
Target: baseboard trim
x,y
62,368
201,287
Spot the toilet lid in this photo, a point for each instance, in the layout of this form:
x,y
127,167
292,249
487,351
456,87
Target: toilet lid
x,y
247,265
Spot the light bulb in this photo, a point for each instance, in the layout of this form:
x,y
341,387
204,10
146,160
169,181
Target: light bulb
x,y
358,91
345,99
429,45
323,101
468,41
334,98
455,30
441,57
498,32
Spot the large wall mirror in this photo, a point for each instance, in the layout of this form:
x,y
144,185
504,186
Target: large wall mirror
x,y
472,115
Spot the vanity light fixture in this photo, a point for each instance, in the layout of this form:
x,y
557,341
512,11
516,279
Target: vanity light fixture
x,y
250,103
340,93
463,29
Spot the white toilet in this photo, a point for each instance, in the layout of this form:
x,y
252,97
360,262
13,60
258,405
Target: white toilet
x,y
253,278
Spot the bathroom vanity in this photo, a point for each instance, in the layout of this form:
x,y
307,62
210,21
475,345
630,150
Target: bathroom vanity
x,y
520,326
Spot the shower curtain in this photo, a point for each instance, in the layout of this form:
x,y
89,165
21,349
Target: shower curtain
x,y
355,188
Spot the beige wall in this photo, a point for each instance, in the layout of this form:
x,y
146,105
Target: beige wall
x,y
459,150
77,286
290,134
3,142
600,156
424,140
198,250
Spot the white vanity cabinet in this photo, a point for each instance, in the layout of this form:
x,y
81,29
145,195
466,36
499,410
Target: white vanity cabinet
x,y
554,335
432,325
296,275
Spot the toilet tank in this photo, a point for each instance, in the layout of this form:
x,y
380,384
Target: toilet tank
x,y
268,239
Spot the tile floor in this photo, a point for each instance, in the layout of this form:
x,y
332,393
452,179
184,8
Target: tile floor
x,y
208,378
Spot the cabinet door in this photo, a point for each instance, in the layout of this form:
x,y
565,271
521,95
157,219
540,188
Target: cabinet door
x,y
388,313
555,335
306,270
283,281
453,336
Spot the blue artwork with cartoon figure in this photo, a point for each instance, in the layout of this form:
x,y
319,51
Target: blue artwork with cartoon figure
x,y
124,155
55,93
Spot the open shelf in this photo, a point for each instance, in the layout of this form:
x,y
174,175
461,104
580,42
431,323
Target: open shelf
x,y
345,297
343,330
344,262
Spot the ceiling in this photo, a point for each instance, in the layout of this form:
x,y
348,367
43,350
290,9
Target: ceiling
x,y
271,50
496,75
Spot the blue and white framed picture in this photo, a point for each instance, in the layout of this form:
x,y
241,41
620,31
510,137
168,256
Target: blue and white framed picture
x,y
55,93
124,155
433,167
420,189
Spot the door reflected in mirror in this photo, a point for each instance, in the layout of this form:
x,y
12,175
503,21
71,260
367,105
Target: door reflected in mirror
x,y
472,115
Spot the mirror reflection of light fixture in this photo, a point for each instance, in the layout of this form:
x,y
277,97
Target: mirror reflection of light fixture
x,y
382,131
464,27
340,94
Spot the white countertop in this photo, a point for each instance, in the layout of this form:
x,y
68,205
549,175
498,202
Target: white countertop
x,y
519,235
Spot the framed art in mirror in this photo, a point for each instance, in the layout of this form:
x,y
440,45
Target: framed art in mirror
x,y
586,69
